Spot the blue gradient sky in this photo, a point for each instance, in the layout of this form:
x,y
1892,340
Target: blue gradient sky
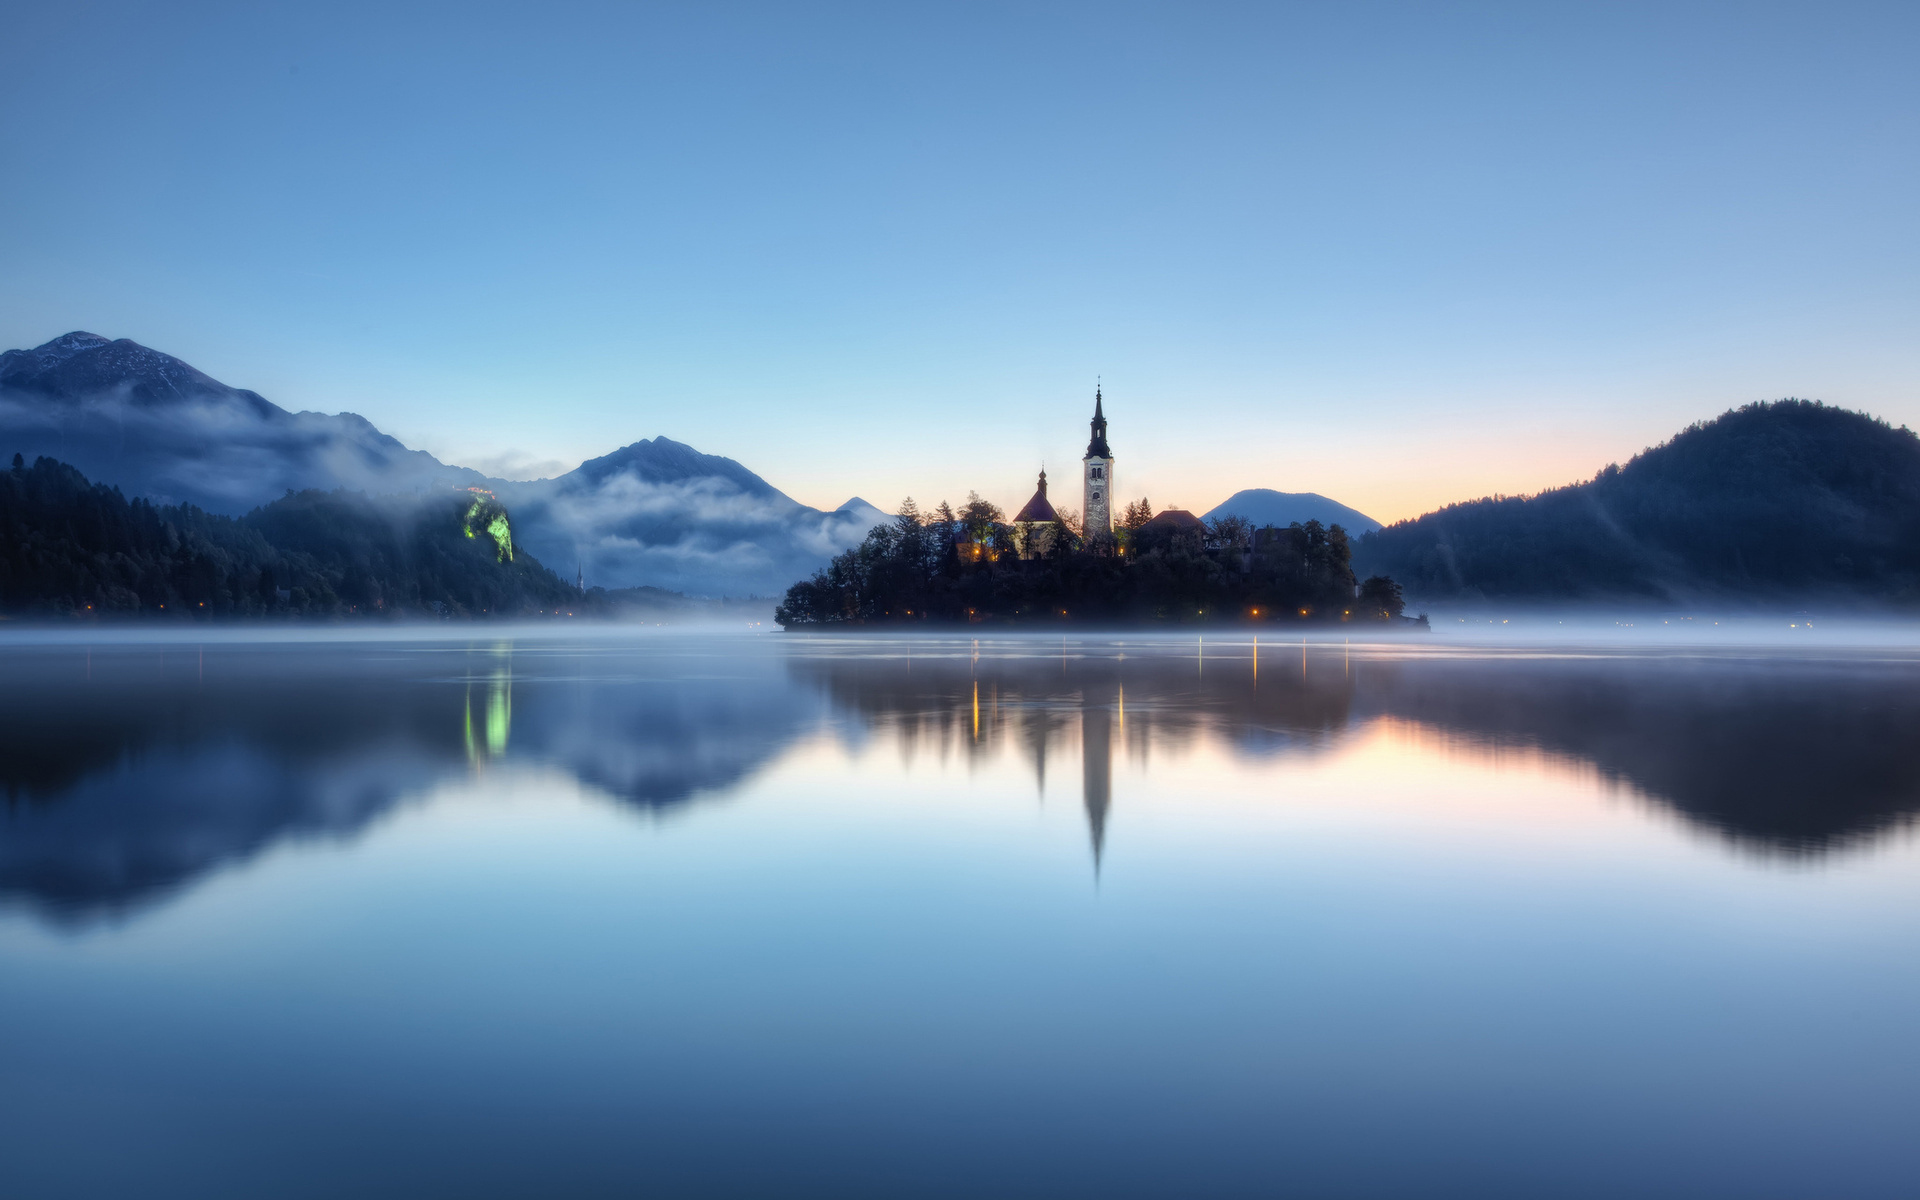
x,y
1398,255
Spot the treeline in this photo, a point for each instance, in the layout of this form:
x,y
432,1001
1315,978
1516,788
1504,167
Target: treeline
x,y
1783,499
75,548
972,566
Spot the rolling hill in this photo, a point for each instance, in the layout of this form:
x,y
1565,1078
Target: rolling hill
x,y
1785,499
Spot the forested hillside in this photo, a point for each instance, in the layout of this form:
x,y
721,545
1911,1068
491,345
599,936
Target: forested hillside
x,y
654,512
68,546
1774,500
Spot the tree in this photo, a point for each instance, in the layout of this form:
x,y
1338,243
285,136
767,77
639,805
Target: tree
x,y
978,514
1380,597
1137,514
983,521
1230,532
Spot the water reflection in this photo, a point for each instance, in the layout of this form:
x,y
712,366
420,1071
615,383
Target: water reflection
x,y
1082,701
130,773
1785,753
498,719
1791,754
1096,762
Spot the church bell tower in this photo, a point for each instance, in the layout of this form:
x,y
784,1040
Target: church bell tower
x,y
1098,470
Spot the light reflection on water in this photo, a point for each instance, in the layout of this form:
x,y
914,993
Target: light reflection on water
x,y
1134,916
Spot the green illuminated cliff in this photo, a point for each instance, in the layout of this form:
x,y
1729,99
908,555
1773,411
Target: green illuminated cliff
x,y
487,515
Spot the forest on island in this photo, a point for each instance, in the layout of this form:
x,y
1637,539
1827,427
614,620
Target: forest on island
x,y
973,566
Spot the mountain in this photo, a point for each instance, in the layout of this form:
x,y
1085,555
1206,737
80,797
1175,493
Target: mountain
x,y
654,513
1264,506
859,508
662,513
158,428
1774,500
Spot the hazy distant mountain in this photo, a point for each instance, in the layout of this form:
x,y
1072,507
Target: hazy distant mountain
x,y
1790,498
655,513
155,427
662,513
1264,506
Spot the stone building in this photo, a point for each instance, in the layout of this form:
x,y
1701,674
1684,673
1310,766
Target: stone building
x,y
1097,468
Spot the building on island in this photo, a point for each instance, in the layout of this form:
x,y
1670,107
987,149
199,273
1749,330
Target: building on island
x,y
1034,529
1034,525
1174,520
1165,529
1098,470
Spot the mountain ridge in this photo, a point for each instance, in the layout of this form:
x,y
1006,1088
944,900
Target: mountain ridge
x,y
1777,499
79,365
654,512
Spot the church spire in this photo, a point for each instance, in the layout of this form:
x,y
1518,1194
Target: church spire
x,y
1097,445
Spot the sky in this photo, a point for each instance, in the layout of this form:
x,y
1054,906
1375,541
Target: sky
x,y
1400,255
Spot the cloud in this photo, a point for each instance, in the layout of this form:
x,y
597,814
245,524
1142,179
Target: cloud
x,y
223,456
519,466
704,535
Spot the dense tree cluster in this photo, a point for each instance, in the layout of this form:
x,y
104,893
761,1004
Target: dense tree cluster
x,y
971,565
1789,498
72,547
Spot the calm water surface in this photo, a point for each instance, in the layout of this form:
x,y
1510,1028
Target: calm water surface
x,y
742,915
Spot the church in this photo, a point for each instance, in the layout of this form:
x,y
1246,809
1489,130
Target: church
x,y
1096,484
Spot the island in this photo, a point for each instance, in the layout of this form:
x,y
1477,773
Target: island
x,y
974,566
1051,566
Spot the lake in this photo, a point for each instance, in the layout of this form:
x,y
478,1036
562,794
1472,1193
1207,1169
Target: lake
x,y
616,913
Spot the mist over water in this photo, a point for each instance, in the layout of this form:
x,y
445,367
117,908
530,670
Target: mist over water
x,y
1512,912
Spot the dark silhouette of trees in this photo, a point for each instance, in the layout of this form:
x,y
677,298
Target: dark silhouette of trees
x,y
1380,597
965,569
71,547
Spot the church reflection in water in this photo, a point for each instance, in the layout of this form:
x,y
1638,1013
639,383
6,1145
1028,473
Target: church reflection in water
x,y
130,773
1096,761
1108,697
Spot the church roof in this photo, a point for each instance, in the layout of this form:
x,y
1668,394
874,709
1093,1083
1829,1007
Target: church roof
x,y
1178,520
1038,509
